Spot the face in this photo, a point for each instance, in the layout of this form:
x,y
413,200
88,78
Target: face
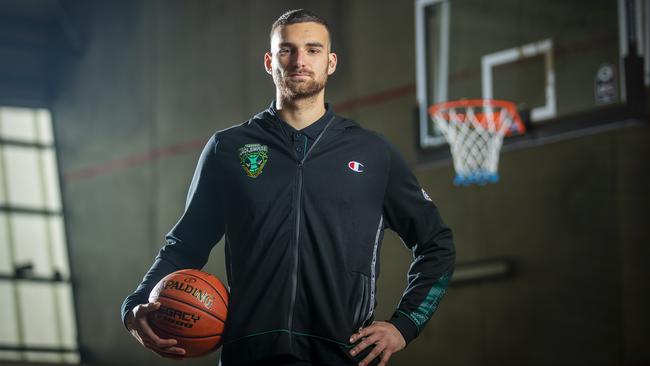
x,y
300,61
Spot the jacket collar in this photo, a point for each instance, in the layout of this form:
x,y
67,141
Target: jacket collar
x,y
271,118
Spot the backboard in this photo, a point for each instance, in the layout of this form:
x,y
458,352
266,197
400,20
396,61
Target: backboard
x,y
553,59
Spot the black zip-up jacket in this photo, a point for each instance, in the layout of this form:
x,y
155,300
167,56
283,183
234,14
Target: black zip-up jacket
x,y
303,231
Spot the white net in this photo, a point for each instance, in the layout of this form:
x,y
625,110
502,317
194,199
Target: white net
x,y
474,130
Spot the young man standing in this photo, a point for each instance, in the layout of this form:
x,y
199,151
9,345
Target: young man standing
x,y
303,197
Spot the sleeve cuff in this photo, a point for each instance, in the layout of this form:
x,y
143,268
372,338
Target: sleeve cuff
x,y
405,325
127,307
125,312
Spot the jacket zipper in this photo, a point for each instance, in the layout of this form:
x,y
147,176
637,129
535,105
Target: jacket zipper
x,y
294,278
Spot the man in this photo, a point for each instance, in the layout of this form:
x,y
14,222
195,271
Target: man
x,y
303,197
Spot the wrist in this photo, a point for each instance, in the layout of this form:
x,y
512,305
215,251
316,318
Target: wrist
x,y
405,325
128,321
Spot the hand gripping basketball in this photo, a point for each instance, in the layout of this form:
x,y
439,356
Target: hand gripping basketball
x,y
193,310
185,316
139,328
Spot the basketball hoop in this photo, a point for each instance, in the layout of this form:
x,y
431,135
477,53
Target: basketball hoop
x,y
474,129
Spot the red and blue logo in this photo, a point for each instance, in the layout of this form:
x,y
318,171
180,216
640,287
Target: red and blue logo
x,y
355,166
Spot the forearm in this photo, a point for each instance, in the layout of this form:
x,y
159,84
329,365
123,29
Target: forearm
x,y
412,313
411,213
158,270
190,241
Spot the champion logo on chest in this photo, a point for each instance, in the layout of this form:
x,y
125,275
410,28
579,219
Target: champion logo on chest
x,y
356,166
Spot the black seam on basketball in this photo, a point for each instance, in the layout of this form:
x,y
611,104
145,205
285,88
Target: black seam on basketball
x,y
208,283
153,325
194,306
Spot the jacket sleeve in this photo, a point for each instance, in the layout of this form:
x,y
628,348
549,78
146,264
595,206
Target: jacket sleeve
x,y
190,241
414,217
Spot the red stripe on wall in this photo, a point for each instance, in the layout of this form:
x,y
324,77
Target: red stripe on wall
x,y
133,160
375,98
187,146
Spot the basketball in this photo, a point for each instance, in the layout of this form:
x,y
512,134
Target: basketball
x,y
193,310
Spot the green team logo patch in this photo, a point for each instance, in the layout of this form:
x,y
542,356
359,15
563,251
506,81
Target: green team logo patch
x,y
253,158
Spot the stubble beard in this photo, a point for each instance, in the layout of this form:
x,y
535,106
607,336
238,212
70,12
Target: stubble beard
x,y
291,91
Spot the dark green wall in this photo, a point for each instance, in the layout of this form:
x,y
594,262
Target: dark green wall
x,y
154,74
571,216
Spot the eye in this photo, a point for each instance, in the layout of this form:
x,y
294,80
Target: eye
x,y
314,50
284,50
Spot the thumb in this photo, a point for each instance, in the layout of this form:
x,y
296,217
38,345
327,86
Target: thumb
x,y
150,307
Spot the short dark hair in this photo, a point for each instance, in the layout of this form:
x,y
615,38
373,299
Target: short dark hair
x,y
297,16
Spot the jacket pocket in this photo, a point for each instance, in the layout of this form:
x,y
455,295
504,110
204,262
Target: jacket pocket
x,y
362,303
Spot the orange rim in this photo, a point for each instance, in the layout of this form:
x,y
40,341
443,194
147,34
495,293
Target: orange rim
x,y
437,109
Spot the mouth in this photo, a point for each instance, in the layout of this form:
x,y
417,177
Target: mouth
x,y
298,78
299,74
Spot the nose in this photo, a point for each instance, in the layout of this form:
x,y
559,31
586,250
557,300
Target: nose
x,y
299,58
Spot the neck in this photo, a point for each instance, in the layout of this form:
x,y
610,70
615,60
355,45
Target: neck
x,y
300,113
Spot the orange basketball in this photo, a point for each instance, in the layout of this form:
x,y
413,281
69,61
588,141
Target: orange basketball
x,y
193,310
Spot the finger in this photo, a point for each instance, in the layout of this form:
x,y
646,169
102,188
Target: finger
x,y
149,307
148,333
363,332
136,335
365,342
157,341
172,350
372,355
168,355
161,342
146,330
385,356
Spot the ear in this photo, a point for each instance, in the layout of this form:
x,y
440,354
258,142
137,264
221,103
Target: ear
x,y
268,63
331,64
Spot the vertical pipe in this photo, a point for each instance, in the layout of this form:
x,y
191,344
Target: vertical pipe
x,y
422,77
420,72
645,31
622,44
